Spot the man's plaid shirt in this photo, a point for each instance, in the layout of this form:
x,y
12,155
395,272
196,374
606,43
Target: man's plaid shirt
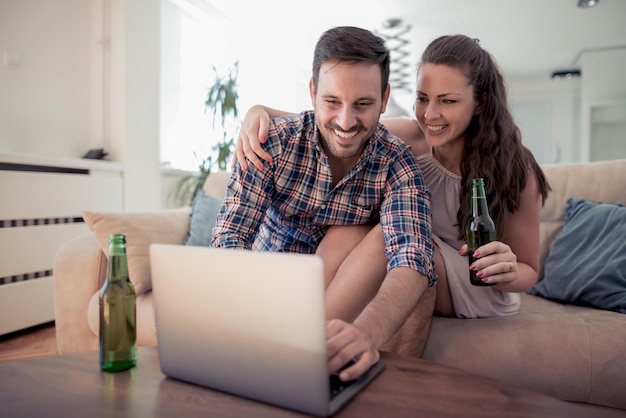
x,y
290,204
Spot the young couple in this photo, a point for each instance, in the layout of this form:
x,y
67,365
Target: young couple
x,y
463,130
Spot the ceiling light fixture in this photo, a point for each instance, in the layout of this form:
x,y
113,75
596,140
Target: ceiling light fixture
x,y
587,3
395,32
566,74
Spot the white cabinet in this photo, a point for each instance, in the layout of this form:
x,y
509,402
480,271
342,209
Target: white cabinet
x,y
41,204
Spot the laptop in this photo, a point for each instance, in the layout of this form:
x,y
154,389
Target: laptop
x,y
248,323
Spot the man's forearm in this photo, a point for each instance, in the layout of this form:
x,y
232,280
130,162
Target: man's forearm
x,y
394,302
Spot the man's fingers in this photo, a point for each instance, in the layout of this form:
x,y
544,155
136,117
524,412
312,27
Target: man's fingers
x,y
361,365
345,343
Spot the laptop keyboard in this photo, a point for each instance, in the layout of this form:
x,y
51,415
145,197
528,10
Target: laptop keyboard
x,y
336,384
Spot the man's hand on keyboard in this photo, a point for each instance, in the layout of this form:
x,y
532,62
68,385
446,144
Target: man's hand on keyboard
x,y
347,342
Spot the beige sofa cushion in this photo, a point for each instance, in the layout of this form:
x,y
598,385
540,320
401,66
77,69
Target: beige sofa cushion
x,y
141,229
569,352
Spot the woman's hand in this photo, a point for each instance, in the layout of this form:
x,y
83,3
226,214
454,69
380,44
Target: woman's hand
x,y
495,263
253,133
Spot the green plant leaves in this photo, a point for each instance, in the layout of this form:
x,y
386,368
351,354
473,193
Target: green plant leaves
x,y
223,94
221,102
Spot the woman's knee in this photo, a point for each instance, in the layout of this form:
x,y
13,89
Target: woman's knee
x,y
337,244
346,234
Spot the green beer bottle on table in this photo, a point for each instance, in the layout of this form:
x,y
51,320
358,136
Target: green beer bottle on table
x,y
480,229
118,333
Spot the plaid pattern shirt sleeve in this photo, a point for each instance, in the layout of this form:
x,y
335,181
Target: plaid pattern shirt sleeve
x,y
406,218
243,208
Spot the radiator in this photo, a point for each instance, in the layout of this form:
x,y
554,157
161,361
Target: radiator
x,y
41,204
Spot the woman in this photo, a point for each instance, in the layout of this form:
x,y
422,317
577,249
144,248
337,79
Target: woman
x,y
463,130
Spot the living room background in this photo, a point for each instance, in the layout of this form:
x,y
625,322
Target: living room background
x,y
116,74
78,75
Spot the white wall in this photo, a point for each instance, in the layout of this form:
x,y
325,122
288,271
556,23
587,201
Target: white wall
x,y
67,87
547,113
134,104
581,119
45,77
603,104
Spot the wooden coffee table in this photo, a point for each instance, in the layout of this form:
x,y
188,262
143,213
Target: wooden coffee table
x,y
73,386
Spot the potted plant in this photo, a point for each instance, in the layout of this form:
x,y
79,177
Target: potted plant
x,y
221,102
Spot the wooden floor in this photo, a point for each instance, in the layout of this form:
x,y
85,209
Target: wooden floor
x,y
39,341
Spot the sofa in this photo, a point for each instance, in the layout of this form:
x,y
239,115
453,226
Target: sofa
x,y
571,350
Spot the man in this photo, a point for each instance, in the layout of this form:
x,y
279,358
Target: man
x,y
337,165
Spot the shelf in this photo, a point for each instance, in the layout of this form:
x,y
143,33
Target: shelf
x,y
66,162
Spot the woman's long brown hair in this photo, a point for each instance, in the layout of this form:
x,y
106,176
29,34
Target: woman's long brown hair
x,y
493,144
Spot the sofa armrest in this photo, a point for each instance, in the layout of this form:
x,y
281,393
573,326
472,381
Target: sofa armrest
x,y
79,270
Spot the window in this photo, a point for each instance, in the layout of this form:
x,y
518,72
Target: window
x,y
195,37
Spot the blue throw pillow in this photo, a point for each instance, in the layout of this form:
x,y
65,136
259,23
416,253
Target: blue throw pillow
x,y
587,264
204,210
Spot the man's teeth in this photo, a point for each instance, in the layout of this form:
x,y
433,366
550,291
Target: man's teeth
x,y
346,135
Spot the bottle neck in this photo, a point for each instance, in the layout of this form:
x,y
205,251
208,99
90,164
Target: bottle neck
x,y
118,265
479,200
117,268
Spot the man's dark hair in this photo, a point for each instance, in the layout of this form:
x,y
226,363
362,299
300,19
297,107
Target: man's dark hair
x,y
351,44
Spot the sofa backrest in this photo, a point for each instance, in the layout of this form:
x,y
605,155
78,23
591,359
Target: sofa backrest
x,y
215,183
602,181
598,181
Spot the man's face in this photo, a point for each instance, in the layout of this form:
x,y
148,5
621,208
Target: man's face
x,y
348,103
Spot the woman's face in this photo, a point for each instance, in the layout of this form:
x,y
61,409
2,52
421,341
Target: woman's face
x,y
445,104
